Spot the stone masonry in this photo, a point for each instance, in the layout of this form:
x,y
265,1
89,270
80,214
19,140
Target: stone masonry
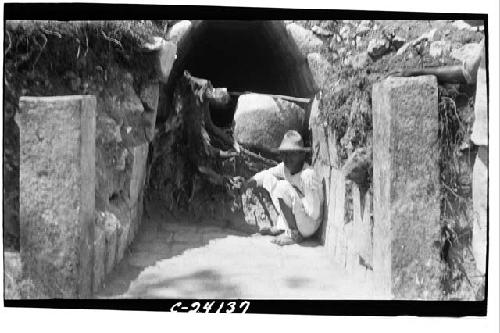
x,y
57,197
406,187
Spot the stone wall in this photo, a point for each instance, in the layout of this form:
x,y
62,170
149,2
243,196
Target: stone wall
x,y
114,166
387,236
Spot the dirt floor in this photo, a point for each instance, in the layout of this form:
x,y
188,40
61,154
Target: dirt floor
x,y
181,259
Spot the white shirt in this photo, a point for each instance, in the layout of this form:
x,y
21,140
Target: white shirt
x,y
306,183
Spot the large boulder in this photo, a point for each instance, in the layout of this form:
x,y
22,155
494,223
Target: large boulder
x,y
261,120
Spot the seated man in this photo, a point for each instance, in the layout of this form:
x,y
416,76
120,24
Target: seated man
x,y
295,191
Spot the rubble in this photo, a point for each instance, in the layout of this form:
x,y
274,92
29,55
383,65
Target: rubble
x,y
321,31
439,48
378,47
359,61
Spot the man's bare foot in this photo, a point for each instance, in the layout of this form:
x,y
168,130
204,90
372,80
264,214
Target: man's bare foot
x,y
273,231
288,238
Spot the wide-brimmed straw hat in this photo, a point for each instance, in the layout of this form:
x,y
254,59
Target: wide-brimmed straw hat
x,y
292,141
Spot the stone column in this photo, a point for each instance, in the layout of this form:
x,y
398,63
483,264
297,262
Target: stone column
x,y
406,188
57,192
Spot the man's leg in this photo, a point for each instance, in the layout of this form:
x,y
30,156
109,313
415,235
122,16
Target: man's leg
x,y
480,206
292,234
285,196
288,214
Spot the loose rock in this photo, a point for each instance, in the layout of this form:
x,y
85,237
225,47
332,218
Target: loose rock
x,y
378,47
321,31
439,48
359,61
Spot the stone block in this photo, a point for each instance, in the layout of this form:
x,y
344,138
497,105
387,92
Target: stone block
x,y
135,220
138,176
111,235
149,96
406,183
57,192
122,212
333,231
324,142
99,257
123,232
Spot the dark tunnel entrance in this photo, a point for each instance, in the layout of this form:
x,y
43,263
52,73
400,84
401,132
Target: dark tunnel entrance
x,y
190,160
255,56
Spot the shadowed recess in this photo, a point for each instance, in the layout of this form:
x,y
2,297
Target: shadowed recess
x,y
257,56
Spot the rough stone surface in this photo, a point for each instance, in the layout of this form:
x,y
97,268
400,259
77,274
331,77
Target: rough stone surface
x,y
320,68
466,53
57,191
439,48
334,237
111,234
123,122
99,255
120,209
149,96
323,139
12,274
178,30
138,176
378,47
406,187
363,226
360,60
305,39
261,121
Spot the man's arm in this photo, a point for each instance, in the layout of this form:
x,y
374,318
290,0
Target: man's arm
x,y
258,178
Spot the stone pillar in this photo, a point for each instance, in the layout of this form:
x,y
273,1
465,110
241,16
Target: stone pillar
x,y
57,192
406,188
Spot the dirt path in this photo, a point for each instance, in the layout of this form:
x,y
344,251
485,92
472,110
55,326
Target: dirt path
x,y
173,260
